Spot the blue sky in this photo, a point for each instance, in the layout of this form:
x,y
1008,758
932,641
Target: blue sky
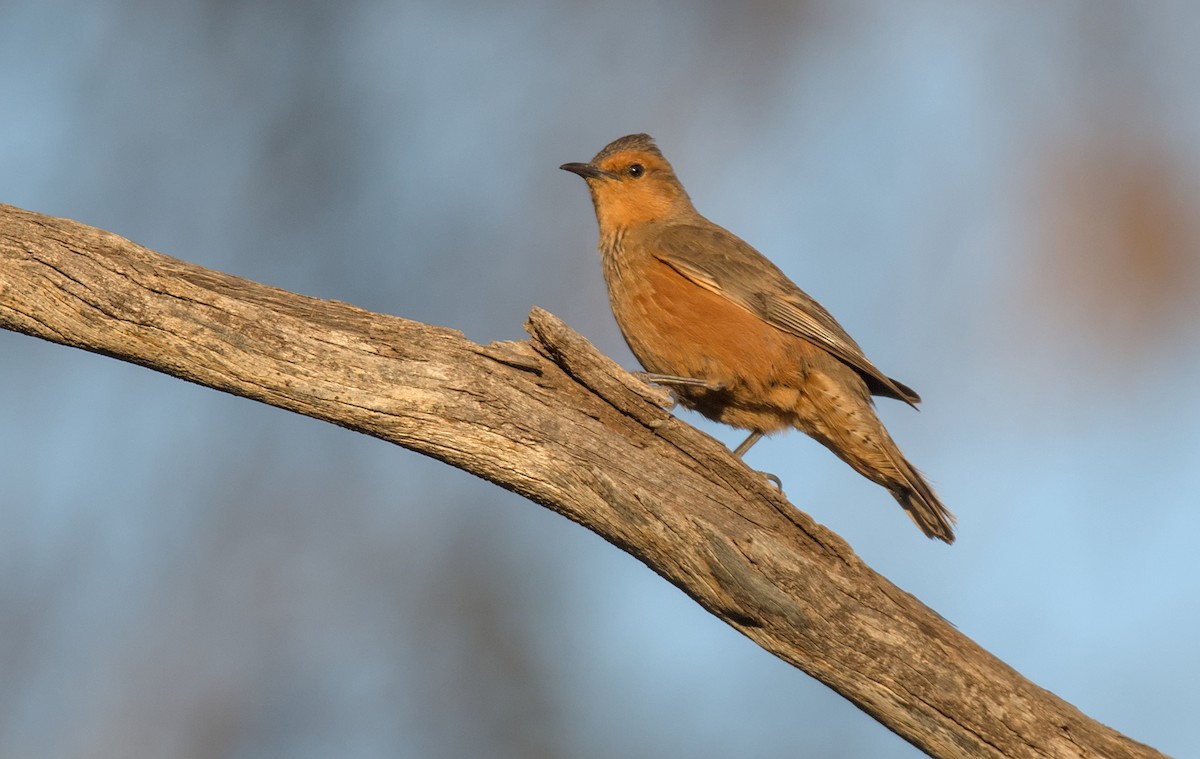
x,y
998,201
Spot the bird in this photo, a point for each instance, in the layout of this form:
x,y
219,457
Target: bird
x,y
736,340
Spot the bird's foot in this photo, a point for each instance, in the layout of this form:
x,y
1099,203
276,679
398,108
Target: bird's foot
x,y
746,445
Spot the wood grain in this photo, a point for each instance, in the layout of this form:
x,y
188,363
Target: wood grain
x,y
557,422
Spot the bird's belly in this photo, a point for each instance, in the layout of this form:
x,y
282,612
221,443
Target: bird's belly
x,y
677,327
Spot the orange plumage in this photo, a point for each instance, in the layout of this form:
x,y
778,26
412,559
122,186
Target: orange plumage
x,y
696,302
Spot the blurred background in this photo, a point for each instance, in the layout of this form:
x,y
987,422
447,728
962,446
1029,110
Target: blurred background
x,y
998,200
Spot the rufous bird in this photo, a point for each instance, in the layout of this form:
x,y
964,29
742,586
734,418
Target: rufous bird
x,y
736,339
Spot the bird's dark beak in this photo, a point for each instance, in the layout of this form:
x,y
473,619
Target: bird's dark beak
x,y
587,171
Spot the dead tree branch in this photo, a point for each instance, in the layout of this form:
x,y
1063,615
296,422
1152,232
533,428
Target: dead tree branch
x,y
557,422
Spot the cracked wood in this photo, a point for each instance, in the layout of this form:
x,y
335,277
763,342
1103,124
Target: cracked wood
x,y
559,423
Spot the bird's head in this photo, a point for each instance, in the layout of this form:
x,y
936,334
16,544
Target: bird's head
x,y
632,183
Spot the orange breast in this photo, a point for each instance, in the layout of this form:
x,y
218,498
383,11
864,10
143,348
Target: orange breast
x,y
677,327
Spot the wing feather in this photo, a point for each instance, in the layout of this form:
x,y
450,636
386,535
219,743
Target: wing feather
x,y
703,255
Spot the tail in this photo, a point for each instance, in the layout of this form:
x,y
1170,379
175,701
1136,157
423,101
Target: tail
x,y
921,503
836,410
877,458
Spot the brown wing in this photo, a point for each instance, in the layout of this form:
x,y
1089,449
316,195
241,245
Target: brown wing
x,y
719,261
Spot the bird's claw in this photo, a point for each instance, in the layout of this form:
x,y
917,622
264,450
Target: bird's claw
x,y
778,482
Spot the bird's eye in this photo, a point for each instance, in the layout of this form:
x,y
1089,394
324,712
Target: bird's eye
x,y
635,170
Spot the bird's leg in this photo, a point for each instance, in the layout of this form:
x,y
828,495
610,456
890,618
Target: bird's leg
x,y
746,445
670,379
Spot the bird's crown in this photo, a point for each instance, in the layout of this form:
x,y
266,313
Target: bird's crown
x,y
636,142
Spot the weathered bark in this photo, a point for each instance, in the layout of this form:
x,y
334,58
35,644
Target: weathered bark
x,y
557,422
